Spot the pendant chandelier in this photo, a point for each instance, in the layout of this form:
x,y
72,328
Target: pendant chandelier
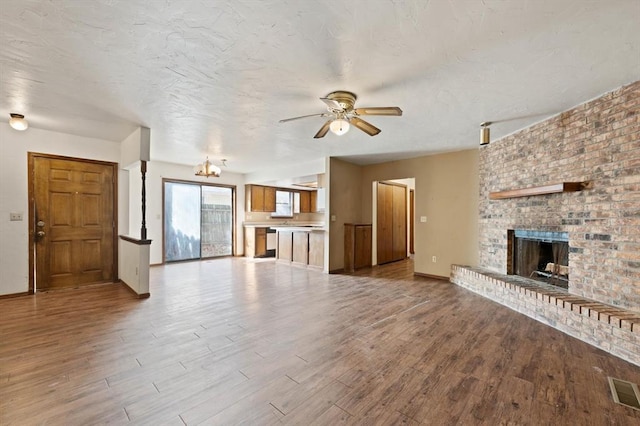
x,y
207,169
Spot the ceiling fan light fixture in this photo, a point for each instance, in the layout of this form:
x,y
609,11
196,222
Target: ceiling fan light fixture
x,y
207,169
18,122
339,126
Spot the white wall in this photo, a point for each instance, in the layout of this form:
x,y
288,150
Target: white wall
x,y
14,236
156,171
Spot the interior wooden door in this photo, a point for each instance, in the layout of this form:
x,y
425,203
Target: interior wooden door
x,y
399,222
391,222
384,222
73,228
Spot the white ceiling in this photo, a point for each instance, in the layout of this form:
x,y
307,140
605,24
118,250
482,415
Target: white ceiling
x,y
214,77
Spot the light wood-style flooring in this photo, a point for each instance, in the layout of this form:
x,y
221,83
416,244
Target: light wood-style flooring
x,y
233,341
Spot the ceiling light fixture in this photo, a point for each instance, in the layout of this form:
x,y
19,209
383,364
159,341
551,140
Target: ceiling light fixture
x,y
485,136
339,126
18,122
207,169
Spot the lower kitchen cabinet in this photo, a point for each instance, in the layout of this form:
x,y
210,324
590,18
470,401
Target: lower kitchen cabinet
x,y
301,248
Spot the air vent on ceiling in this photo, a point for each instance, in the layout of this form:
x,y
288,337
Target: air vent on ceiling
x,y
625,393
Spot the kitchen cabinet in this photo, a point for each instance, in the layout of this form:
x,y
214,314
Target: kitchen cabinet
x,y
285,246
260,198
316,250
308,201
313,201
305,201
301,247
300,250
255,241
357,246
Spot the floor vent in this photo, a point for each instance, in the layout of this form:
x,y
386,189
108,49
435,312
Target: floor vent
x,y
625,393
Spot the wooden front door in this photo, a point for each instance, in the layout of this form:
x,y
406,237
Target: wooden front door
x,y
72,226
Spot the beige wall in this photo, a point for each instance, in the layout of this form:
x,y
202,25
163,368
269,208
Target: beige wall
x,y
344,204
446,192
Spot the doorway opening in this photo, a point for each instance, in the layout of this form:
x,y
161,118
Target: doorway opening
x,y
199,220
393,215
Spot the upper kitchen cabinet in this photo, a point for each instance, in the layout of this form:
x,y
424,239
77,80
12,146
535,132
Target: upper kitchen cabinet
x,y
308,201
260,198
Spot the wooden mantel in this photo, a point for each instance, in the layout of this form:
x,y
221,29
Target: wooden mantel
x,y
539,190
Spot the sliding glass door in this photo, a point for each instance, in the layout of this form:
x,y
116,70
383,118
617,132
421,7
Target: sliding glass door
x,y
217,221
198,221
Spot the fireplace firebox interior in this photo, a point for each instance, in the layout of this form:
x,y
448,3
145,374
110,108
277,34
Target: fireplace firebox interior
x,y
541,255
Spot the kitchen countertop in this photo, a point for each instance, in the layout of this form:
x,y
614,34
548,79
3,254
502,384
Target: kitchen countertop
x,y
298,228
283,224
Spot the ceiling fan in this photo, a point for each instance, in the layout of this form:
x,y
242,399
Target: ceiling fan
x,y
342,113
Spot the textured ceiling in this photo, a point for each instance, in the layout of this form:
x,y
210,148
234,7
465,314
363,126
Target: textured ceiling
x,y
214,77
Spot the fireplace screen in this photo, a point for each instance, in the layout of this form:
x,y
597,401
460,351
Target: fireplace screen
x,y
542,255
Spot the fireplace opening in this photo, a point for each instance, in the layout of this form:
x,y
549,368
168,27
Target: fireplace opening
x,y
541,255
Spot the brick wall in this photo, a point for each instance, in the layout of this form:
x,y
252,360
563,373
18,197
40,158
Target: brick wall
x,y
598,141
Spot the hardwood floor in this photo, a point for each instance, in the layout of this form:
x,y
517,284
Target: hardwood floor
x,y
233,341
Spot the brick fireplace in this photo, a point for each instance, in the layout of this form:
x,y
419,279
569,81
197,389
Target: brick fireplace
x,y
598,143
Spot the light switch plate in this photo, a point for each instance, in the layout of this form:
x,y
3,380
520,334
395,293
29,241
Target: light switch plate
x,y
423,219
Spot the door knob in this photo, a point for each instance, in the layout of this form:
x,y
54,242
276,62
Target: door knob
x,y
40,233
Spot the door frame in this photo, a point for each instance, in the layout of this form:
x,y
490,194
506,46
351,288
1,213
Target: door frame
x,y
31,156
412,219
234,207
405,219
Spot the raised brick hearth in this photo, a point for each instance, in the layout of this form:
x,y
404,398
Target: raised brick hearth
x,y
597,142
607,327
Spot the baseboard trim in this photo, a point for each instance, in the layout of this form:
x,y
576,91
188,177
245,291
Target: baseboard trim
x,y
433,277
337,271
137,295
12,295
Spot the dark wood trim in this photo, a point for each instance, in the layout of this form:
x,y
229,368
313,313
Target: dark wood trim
x,y
132,291
539,190
135,241
12,295
433,277
143,176
412,220
337,271
32,211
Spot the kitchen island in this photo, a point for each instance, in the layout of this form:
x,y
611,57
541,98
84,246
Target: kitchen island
x,y
300,245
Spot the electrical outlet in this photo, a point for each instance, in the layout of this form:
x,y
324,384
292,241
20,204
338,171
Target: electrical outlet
x,y
423,219
333,218
15,216
434,259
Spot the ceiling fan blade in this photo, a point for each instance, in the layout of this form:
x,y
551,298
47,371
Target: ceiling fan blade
x,y
366,127
323,130
323,114
379,111
332,103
